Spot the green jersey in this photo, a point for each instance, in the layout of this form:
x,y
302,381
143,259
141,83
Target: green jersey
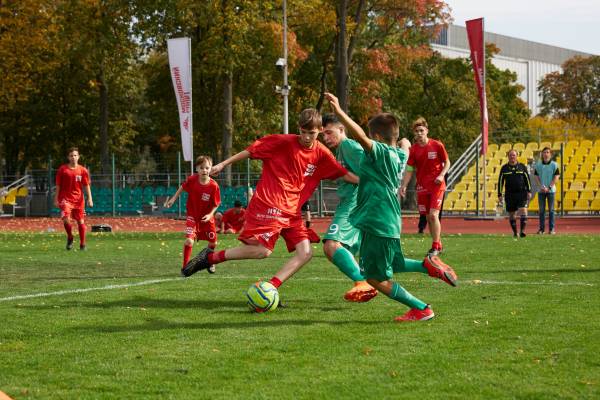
x,y
378,209
348,153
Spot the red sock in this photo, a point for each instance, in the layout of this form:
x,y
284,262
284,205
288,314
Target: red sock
x,y
187,252
216,257
81,229
436,245
275,281
69,230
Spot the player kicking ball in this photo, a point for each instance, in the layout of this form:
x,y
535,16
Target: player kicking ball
x,y
204,197
377,213
288,163
72,180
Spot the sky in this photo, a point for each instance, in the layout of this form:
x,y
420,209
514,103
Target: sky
x,y
572,24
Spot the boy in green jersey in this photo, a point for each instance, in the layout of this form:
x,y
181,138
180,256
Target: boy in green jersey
x,y
377,213
342,240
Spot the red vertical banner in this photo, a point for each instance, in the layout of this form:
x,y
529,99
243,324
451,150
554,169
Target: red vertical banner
x,y
477,46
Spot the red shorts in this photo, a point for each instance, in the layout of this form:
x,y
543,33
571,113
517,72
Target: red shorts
x,y
71,211
200,230
430,198
257,230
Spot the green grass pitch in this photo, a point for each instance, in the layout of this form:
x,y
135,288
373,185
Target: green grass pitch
x,y
116,322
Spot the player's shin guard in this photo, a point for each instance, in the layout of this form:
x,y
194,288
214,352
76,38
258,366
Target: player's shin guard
x,y
187,253
346,263
69,230
81,228
513,225
523,222
400,294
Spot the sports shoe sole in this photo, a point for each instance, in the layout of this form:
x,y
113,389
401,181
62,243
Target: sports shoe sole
x,y
198,263
360,296
426,318
449,278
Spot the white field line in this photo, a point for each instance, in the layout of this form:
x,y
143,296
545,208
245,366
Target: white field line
x,y
155,281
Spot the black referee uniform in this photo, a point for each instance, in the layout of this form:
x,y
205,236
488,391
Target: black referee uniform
x,y
514,179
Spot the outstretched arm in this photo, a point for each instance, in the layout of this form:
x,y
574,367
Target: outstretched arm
x,y
357,132
242,155
171,200
351,178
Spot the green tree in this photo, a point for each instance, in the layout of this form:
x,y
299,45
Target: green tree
x,y
574,91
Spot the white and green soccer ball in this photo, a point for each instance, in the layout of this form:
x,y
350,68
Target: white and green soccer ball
x,y
262,297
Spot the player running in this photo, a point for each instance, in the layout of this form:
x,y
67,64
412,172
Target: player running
x,y
204,197
288,162
377,213
342,240
430,159
71,180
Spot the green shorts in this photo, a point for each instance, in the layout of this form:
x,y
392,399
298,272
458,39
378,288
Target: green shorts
x,y
342,231
380,257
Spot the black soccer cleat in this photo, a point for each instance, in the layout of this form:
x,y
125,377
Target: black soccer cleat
x,y
69,244
197,263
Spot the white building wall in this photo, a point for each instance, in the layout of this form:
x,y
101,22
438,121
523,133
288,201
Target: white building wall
x,y
529,73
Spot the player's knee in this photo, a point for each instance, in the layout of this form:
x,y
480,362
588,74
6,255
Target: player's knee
x,y
330,247
189,242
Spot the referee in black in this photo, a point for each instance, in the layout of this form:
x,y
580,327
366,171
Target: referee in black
x,y
514,178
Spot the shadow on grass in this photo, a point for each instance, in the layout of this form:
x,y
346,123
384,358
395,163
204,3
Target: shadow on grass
x,y
261,321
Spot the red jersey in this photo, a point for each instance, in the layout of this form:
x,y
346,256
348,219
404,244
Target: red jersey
x,y
234,218
71,182
202,198
428,160
287,167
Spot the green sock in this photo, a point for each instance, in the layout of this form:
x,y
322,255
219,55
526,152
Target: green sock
x,y
346,263
414,266
401,295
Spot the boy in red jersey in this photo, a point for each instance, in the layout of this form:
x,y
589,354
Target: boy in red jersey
x,y
71,178
289,162
429,158
204,197
233,219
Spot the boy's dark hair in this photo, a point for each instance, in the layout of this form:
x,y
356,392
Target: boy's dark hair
x,y
237,203
420,122
385,125
72,149
310,119
202,159
546,148
330,119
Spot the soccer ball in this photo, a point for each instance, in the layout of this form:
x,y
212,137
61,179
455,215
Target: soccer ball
x,y
262,297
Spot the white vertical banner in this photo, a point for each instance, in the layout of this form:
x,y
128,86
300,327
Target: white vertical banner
x,y
180,64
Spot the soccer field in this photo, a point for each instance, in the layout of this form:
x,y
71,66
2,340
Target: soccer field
x,y
117,322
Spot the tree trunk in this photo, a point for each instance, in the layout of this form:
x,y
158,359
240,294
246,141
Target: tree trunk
x,y
227,141
341,56
103,120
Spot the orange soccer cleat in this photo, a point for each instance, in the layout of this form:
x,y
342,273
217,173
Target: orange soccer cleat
x,y
436,268
360,293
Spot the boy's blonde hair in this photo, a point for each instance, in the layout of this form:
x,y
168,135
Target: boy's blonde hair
x,y
203,159
385,125
309,119
419,122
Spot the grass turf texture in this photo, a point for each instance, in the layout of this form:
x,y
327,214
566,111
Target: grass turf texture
x,y
522,324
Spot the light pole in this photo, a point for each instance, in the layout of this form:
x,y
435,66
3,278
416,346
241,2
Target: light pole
x,y
282,63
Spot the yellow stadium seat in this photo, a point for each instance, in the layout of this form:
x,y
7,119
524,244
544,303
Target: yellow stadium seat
x,y
504,148
581,205
453,196
576,185
533,146
533,204
592,184
577,159
582,175
519,146
22,191
492,148
595,205
571,195
459,205
567,205
586,143
586,195
461,186
527,153
522,160
547,144
595,173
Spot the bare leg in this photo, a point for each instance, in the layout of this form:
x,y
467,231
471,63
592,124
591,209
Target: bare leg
x,y
302,255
